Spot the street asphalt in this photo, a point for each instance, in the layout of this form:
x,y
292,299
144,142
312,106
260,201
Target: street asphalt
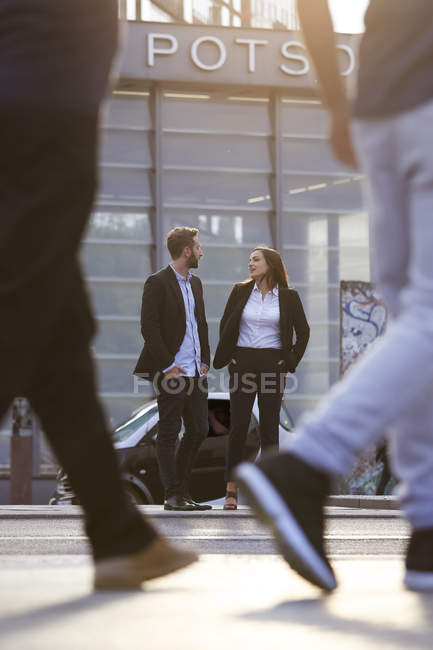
x,y
239,595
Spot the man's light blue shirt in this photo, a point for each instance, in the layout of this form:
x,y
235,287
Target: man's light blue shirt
x,y
188,356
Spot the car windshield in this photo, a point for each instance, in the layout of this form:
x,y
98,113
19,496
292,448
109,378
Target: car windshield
x,y
285,418
134,422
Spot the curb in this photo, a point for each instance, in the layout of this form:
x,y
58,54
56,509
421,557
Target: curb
x,y
365,502
351,502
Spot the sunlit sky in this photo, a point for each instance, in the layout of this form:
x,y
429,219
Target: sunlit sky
x,y
348,15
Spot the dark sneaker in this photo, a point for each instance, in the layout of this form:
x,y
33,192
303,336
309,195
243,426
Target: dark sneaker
x,y
288,496
419,561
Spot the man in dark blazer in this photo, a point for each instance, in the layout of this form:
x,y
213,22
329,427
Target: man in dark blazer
x,y
176,357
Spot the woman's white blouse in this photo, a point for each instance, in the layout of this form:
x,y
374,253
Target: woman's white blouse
x,y
260,321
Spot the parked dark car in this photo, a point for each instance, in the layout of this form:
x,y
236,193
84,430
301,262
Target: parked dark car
x,y
134,441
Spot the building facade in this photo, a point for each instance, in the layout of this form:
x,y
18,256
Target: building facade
x,y
214,122
207,129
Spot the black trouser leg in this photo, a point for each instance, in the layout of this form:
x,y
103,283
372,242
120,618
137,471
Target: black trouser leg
x,y
195,418
258,367
270,395
64,397
171,400
42,221
47,183
242,394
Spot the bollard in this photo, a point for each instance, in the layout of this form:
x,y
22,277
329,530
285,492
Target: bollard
x,y
21,453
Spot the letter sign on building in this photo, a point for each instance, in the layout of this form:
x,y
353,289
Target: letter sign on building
x,y
251,42
225,55
294,57
152,50
222,53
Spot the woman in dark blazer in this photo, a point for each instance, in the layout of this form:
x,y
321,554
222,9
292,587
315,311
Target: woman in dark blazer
x,y
256,342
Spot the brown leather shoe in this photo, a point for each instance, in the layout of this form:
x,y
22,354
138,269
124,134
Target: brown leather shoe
x,y
129,571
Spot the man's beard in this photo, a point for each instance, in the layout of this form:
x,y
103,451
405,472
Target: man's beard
x,y
192,262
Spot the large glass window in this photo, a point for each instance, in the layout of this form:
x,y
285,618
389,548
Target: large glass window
x,y
217,169
325,239
218,158
118,249
223,227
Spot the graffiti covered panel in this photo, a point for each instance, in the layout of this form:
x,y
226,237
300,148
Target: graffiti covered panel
x,y
362,320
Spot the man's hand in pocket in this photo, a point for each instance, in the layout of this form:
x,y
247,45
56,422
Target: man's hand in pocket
x,y
173,373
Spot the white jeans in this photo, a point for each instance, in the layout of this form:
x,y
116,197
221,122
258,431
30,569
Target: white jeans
x,y
393,383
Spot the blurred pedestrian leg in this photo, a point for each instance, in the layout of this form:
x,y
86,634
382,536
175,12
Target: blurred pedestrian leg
x,y
54,64
392,384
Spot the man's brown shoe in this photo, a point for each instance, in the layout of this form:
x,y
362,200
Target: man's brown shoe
x,y
129,571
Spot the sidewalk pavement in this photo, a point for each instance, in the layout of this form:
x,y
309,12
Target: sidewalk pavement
x,y
227,601
221,603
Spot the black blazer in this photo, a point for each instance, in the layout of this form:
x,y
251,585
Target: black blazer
x,y
292,317
163,322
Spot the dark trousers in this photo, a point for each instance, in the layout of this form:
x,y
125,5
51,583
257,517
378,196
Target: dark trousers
x,y
47,183
256,373
185,397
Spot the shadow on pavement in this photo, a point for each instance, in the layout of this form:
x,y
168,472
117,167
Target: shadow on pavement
x,y
42,616
315,613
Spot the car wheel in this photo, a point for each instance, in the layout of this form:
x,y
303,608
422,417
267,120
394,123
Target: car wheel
x,y
134,494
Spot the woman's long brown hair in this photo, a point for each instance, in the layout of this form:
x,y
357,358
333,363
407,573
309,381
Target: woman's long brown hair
x,y
277,274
